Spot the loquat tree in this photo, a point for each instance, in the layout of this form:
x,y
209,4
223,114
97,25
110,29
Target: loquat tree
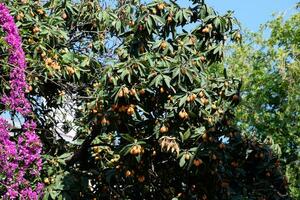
x,y
149,121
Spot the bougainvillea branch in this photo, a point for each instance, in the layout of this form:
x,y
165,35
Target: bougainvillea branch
x,y
20,161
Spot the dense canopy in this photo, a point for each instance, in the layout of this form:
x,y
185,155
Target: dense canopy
x,y
128,103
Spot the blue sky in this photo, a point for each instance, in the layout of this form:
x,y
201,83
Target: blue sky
x,y
251,13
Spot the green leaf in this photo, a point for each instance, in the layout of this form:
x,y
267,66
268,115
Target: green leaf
x,y
175,73
141,142
77,73
187,134
167,80
85,62
182,100
217,22
118,26
198,132
68,57
46,196
53,194
181,136
158,19
138,158
149,24
125,150
194,149
186,14
127,137
65,155
182,161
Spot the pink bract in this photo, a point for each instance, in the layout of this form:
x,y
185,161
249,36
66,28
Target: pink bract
x,y
20,161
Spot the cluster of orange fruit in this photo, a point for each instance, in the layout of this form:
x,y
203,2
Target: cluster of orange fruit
x,y
136,150
124,92
130,173
192,97
161,6
96,109
70,70
96,150
164,129
203,98
20,16
24,1
183,114
36,30
64,15
205,137
49,180
208,28
170,18
197,162
129,109
52,63
163,45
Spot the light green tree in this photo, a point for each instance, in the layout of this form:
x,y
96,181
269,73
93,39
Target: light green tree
x,y
268,64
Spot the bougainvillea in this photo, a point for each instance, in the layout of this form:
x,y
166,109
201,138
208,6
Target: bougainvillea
x,y
20,161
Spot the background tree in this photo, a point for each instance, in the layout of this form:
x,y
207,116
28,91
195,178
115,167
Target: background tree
x,y
268,63
151,121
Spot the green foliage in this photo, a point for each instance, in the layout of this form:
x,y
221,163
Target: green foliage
x,y
151,120
269,68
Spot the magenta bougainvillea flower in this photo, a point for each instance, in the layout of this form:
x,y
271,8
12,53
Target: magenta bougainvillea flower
x,y
20,158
